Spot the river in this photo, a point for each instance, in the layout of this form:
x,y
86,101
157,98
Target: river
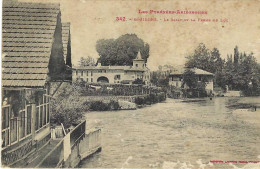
x,y
177,133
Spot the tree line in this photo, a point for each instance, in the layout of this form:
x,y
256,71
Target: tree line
x,y
239,72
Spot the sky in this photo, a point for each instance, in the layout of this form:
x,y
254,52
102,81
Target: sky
x,y
169,41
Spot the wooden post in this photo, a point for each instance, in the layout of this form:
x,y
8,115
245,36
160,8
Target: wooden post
x,y
33,120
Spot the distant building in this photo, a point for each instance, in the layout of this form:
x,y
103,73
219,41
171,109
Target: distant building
x,y
165,70
176,78
113,74
33,56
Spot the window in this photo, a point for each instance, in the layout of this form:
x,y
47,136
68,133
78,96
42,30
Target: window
x,y
117,77
76,72
199,78
81,73
91,79
91,73
136,65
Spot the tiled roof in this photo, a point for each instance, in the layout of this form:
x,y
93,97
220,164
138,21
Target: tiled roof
x,y
27,35
65,37
197,71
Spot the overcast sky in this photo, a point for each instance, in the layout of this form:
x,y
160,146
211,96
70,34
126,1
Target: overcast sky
x,y
169,42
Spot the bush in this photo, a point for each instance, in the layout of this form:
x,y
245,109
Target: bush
x,y
101,106
67,107
114,105
139,101
150,99
161,97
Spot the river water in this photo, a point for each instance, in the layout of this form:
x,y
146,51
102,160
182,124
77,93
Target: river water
x,y
175,133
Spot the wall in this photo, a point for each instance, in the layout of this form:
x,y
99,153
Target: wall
x,y
73,148
110,74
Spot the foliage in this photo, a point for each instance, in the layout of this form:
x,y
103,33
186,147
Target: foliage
x,y
89,61
207,60
67,108
68,57
190,79
121,51
139,101
241,73
138,81
102,106
151,99
159,79
57,64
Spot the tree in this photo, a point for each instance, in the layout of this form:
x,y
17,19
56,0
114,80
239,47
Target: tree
x,y
210,61
243,73
67,107
121,51
89,61
190,79
205,59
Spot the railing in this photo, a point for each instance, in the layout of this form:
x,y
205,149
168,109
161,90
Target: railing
x,y
77,133
81,145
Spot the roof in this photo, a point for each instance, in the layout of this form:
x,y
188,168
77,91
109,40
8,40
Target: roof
x,y
65,38
197,71
27,36
139,57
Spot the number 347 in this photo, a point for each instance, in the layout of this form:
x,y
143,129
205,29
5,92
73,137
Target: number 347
x,y
120,18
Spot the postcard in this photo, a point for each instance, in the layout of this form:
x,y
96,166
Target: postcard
x,y
165,84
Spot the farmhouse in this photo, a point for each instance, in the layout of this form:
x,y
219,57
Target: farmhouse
x,y
176,78
113,74
33,57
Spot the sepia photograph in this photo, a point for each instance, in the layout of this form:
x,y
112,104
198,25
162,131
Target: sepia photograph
x,y
165,84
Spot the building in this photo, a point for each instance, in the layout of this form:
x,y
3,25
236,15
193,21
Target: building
x,y
32,58
113,74
66,41
176,78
